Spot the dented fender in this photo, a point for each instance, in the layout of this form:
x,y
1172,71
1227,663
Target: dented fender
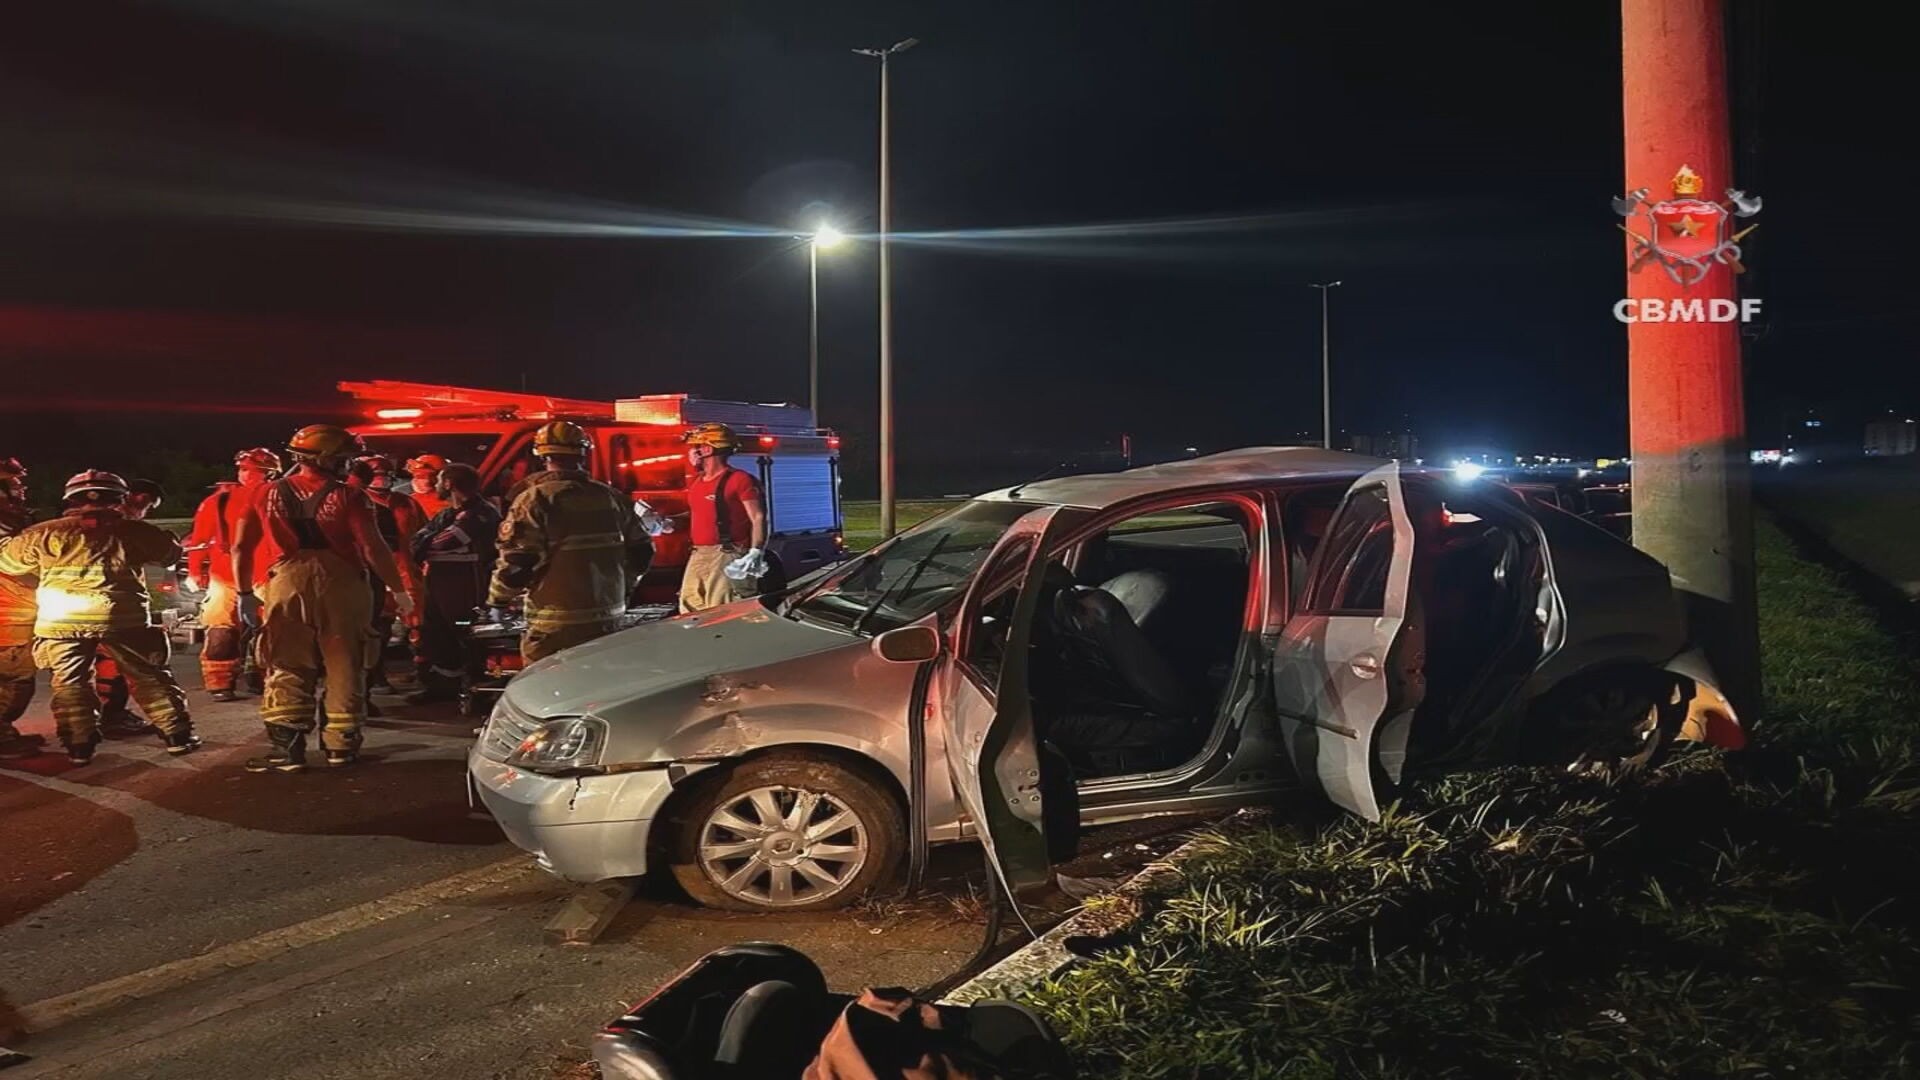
x,y
1711,717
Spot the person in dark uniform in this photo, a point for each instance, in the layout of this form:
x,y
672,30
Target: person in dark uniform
x,y
457,548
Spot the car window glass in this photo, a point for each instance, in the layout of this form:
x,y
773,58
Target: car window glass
x,y
918,572
1352,574
986,640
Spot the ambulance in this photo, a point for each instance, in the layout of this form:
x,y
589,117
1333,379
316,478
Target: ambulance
x,y
637,448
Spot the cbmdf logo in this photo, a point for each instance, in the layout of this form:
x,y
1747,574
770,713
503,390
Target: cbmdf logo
x,y
1687,237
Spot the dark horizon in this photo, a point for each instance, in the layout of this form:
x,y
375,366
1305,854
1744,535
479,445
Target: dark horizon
x,y
217,210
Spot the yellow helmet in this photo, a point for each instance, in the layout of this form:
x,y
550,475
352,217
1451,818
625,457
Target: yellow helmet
x,y
323,442
561,437
718,437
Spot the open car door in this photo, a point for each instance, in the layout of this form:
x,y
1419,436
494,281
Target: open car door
x,y
1002,774
1347,673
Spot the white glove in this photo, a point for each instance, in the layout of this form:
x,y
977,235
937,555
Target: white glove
x,y
751,565
403,604
652,522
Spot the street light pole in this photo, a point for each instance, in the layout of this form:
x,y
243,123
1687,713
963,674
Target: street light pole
x,y
888,496
813,331
824,237
1326,368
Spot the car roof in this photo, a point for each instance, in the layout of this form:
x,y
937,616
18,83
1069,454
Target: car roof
x,y
1253,467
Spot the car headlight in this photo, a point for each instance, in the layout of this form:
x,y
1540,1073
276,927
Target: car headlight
x,y
561,745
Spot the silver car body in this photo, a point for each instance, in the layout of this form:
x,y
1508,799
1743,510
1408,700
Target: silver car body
x,y
684,695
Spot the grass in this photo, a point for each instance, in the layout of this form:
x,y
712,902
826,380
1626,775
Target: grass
x,y
863,518
1868,510
1747,915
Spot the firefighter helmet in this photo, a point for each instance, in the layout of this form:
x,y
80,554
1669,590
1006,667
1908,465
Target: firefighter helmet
x,y
432,463
258,458
96,480
561,437
323,442
717,437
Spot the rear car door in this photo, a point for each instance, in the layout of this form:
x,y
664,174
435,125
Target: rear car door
x,y
1344,688
992,747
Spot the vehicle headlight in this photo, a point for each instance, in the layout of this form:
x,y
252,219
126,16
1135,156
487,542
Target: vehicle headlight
x,y
561,745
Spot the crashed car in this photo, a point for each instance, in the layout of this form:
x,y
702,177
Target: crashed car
x,y
1178,638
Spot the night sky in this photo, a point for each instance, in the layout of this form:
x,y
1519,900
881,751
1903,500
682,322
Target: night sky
x,y
211,210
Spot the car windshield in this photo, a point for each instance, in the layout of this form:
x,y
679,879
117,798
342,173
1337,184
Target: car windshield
x,y
921,569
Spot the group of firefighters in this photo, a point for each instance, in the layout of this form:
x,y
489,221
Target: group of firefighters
x,y
306,569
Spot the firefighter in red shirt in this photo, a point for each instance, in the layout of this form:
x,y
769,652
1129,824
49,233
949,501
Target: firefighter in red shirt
x,y
426,470
728,529
210,568
398,516
316,611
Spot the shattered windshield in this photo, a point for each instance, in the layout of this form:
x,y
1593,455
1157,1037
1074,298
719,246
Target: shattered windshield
x,y
921,569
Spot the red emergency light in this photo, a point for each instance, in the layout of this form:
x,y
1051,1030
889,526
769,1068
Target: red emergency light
x,y
398,414
660,459
833,442
769,442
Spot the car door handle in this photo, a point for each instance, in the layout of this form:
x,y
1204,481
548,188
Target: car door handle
x,y
1366,665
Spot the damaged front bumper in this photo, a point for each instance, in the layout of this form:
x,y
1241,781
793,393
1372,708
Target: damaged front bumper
x,y
581,828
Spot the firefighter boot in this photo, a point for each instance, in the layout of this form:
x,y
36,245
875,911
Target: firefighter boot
x,y
436,687
226,694
183,741
81,753
287,752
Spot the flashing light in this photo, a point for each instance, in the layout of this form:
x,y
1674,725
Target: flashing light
x,y
656,460
768,442
833,441
398,414
1468,470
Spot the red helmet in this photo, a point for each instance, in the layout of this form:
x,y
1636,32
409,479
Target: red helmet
x,y
432,463
96,480
258,458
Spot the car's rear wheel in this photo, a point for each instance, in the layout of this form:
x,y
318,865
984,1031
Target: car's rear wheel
x,y
1624,726
787,832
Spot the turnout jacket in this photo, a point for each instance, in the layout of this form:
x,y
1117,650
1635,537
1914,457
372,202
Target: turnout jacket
x,y
574,547
88,565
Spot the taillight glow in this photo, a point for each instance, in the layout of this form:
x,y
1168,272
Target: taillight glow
x,y
399,414
769,442
833,442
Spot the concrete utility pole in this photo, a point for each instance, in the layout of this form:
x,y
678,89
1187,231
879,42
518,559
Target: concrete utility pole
x,y
1692,505
888,496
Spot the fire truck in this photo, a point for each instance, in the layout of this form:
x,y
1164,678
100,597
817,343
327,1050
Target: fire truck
x,y
637,448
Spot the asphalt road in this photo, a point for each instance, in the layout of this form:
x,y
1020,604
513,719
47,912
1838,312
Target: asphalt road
x,y
183,918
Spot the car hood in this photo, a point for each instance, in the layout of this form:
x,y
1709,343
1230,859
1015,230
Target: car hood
x,y
648,659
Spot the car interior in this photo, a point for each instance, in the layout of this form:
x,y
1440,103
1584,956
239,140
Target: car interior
x,y
1475,580
1135,639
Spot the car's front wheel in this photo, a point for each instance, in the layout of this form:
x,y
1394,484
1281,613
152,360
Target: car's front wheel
x,y
786,832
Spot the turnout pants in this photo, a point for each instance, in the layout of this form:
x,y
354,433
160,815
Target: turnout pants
x,y
318,616
220,658
16,684
141,653
537,643
383,619
706,584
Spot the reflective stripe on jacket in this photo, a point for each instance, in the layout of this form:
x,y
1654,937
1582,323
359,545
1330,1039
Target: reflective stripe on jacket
x,y
88,564
17,606
566,541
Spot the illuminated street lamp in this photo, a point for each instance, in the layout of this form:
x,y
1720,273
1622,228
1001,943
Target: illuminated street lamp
x,y
1326,368
887,495
825,238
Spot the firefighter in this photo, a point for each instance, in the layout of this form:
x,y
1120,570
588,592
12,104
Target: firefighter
x,y
457,548
571,544
210,569
315,612
143,498
17,608
426,470
90,594
728,526
397,516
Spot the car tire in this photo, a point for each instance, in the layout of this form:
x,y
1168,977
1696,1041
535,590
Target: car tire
x,y
1621,726
709,857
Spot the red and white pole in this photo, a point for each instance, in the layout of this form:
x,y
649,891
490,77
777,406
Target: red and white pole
x,y
1691,499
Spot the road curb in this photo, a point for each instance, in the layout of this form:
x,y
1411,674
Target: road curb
x,y
1048,956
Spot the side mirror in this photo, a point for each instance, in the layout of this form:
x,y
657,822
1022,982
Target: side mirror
x,y
908,645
